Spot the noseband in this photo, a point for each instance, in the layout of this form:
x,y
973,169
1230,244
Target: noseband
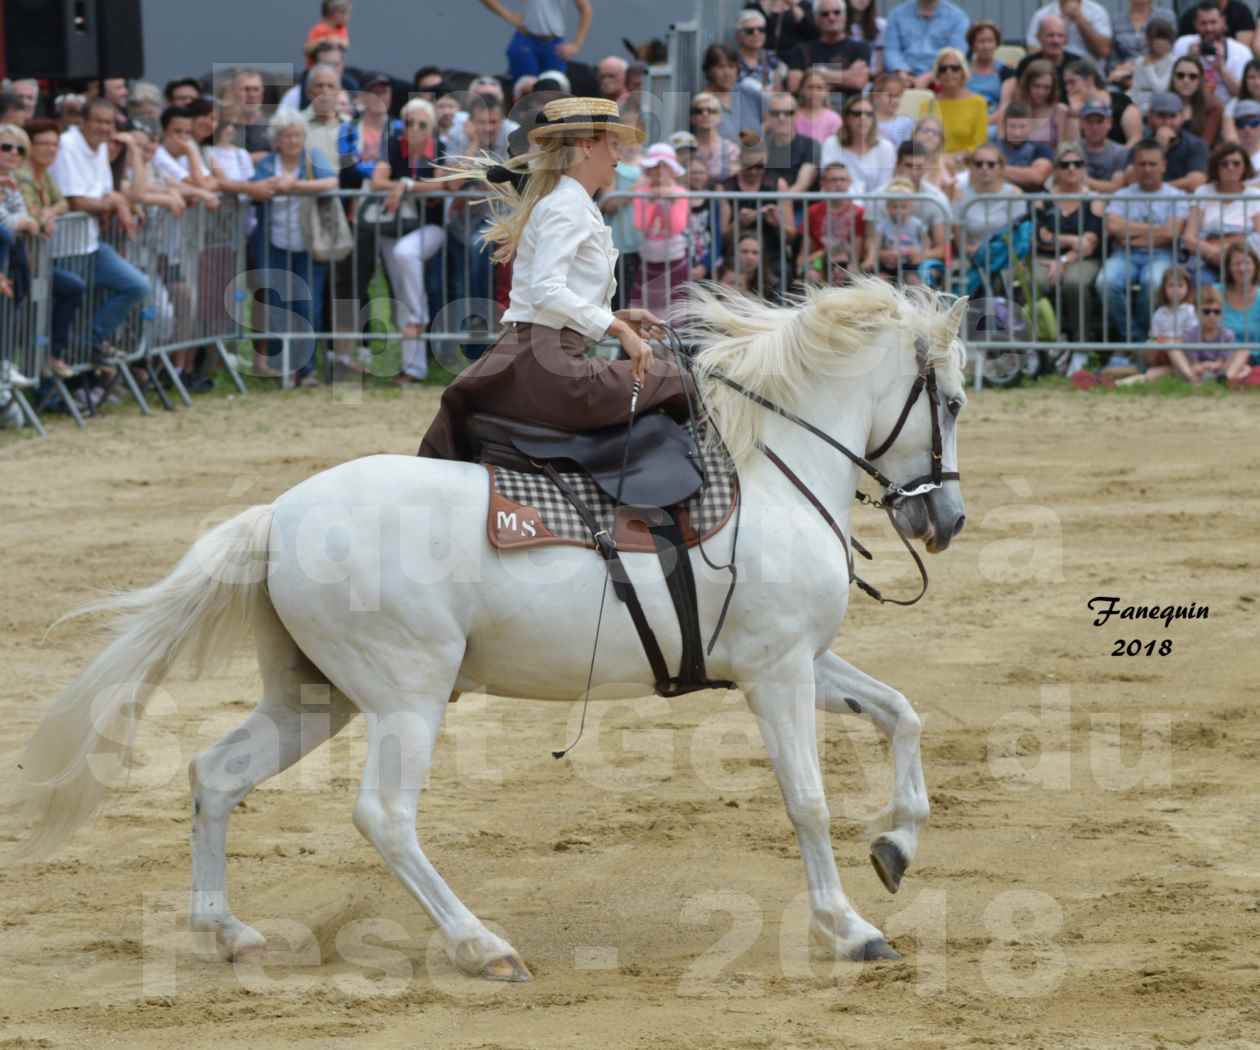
x,y
893,493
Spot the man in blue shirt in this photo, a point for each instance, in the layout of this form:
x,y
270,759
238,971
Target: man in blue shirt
x,y
916,32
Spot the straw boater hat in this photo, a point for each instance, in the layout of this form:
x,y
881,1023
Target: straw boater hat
x,y
564,116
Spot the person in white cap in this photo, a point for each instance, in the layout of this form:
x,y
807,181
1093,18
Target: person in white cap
x,y
563,279
661,220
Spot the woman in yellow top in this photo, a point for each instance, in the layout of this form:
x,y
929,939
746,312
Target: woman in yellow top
x,y
964,114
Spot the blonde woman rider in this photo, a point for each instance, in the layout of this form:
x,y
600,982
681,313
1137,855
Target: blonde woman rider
x,y
563,277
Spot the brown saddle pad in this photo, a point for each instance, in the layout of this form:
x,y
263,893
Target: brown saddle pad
x,y
527,510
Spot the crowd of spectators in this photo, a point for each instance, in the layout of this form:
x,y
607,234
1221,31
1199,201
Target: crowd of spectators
x,y
926,133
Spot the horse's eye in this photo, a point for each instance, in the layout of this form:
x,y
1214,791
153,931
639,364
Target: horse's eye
x,y
954,404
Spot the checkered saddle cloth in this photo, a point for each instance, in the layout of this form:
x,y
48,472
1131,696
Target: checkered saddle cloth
x,y
527,510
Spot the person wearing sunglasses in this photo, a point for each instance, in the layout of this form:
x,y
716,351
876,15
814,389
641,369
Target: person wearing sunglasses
x,y
869,158
405,178
756,61
845,63
1205,110
1067,235
963,113
1214,224
791,156
1248,90
1228,363
991,213
1247,128
1223,58
720,153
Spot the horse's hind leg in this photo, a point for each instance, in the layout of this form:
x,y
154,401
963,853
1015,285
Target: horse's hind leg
x,y
278,733
840,688
402,731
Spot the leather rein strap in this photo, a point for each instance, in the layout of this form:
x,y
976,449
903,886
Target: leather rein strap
x,y
893,493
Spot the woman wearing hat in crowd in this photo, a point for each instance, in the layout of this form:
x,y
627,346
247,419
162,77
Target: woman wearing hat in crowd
x,y
563,279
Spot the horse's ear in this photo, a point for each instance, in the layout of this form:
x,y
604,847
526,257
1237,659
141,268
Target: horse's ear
x,y
957,314
951,325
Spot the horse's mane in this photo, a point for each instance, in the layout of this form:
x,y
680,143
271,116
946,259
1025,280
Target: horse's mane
x,y
778,351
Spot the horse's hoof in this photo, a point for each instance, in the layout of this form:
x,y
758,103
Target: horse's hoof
x,y
506,968
241,943
889,863
877,949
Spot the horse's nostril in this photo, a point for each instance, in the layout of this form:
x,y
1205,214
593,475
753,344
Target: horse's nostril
x,y
958,525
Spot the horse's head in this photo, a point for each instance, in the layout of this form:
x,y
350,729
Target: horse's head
x,y
914,423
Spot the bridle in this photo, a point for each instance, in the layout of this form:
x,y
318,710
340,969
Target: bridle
x,y
893,493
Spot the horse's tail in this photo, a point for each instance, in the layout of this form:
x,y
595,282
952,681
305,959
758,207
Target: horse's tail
x,y
203,609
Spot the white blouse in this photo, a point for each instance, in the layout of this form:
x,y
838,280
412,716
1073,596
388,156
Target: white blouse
x,y
564,271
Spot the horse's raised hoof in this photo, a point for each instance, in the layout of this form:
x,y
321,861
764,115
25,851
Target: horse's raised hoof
x,y
889,863
506,968
877,950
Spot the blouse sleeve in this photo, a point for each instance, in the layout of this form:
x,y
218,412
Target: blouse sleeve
x,y
554,302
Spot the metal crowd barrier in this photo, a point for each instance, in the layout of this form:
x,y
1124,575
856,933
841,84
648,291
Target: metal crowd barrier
x,y
1106,304
210,281
23,321
186,264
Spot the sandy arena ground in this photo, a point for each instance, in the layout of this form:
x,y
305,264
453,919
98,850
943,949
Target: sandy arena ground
x,y
1088,878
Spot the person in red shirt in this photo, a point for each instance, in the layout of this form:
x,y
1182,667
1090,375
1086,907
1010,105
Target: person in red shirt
x,y
333,24
837,231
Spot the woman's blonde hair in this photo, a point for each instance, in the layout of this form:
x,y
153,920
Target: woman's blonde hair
x,y
512,208
14,132
957,56
422,106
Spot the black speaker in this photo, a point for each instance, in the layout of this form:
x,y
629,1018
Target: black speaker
x,y
51,38
121,37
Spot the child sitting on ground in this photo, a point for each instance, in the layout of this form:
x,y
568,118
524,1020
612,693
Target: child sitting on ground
x,y
1172,322
837,230
900,240
1197,365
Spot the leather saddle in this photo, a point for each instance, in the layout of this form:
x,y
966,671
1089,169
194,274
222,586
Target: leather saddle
x,y
662,467
662,470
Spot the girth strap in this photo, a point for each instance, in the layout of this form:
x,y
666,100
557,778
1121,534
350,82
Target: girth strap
x,y
622,587
671,548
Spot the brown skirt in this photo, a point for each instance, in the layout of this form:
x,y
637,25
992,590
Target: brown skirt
x,y
542,375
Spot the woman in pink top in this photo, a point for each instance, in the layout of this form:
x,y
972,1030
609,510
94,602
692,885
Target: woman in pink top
x,y
814,116
661,220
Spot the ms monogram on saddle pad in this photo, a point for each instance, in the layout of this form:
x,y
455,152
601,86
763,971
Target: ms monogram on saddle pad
x,y
376,581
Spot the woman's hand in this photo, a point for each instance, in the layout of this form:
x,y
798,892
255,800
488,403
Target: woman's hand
x,y
394,199
632,343
26,225
642,322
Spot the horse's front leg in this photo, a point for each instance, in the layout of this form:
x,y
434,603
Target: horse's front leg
x,y
785,712
842,689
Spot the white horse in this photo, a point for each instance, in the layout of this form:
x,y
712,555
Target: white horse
x,y
376,578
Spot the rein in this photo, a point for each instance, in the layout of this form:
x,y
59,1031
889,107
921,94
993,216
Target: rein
x,y
893,493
